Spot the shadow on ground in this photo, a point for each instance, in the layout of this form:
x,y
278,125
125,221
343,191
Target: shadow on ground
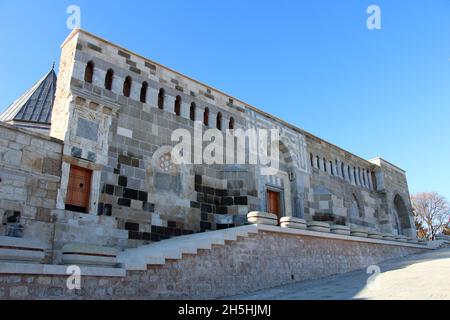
x,y
417,277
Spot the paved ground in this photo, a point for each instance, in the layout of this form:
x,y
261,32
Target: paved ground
x,y
418,277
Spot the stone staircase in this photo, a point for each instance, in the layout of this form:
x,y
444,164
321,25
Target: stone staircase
x,y
157,254
137,259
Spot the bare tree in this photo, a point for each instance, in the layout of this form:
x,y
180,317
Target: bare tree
x,y
432,212
421,231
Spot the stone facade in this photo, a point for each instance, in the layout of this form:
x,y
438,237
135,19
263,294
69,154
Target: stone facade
x,y
118,121
113,116
346,189
29,179
262,261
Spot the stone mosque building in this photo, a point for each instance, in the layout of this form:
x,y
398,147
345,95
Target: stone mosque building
x,y
85,159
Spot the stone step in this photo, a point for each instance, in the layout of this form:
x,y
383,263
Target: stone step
x,y
173,249
21,250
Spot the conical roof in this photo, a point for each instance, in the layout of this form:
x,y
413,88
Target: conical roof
x,y
36,104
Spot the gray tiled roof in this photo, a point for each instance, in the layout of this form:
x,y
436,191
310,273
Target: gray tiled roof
x,y
36,104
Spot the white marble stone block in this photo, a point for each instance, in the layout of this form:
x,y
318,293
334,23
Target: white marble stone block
x,y
293,223
374,234
21,250
389,237
257,217
90,255
359,232
339,229
319,226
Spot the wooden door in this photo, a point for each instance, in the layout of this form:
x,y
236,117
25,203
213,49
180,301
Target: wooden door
x,y
273,203
78,189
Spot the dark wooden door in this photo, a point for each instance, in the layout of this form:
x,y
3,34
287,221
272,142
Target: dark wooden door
x,y
79,189
273,203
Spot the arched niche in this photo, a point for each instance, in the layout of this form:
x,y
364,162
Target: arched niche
x,y
401,217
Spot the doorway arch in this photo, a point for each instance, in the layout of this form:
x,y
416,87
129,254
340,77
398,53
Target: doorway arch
x,y
402,223
285,181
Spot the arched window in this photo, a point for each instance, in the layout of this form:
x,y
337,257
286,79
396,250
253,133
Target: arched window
x,y
331,168
144,92
161,96
109,79
89,72
318,162
312,160
127,86
231,124
349,173
177,108
374,180
192,111
219,121
324,165
354,174
342,170
364,176
206,117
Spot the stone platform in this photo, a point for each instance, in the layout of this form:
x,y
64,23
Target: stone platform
x,y
243,260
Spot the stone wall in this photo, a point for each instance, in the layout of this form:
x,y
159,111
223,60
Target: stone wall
x,y
346,189
30,165
396,213
74,227
340,180
262,261
129,142
124,138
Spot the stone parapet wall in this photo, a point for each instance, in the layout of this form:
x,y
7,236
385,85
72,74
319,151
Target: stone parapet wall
x,y
30,165
264,260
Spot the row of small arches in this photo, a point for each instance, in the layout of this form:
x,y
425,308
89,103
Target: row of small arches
x,y
359,176
89,76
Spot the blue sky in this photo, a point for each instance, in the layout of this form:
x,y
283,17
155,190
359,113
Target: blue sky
x,y
313,63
